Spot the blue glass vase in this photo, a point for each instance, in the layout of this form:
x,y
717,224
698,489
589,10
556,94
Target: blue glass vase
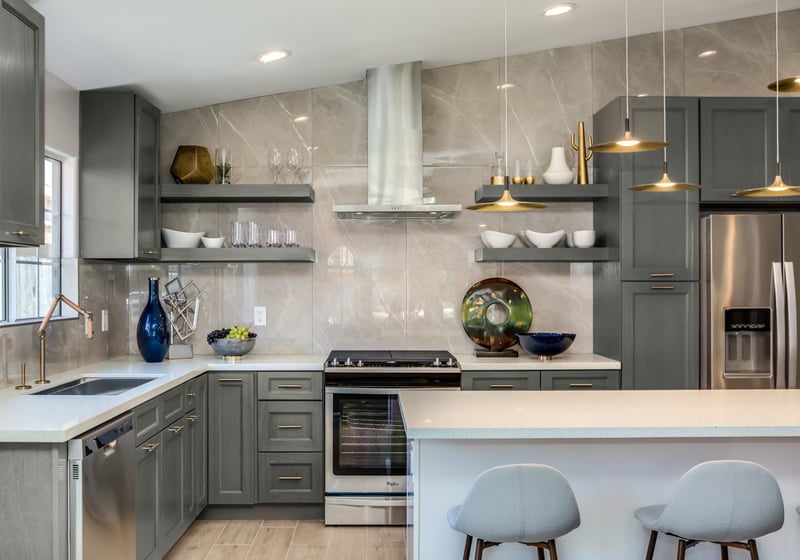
x,y
152,332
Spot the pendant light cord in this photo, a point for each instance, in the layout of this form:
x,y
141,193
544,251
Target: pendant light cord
x,y
505,78
777,95
627,87
664,76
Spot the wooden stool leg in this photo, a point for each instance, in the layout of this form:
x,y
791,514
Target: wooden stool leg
x,y
651,545
551,546
540,553
723,552
479,549
751,546
467,547
681,549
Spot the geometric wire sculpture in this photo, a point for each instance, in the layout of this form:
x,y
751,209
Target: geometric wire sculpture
x,y
183,303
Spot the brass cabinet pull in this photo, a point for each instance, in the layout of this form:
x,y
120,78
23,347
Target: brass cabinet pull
x,y
22,232
176,429
662,287
150,252
661,275
230,379
290,386
290,427
290,478
150,447
191,395
193,418
581,385
501,386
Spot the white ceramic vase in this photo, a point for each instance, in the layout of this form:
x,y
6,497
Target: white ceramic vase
x,y
559,173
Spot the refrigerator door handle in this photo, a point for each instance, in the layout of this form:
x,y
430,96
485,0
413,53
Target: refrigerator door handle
x,y
791,324
779,340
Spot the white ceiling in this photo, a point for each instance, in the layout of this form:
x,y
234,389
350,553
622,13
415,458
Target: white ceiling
x,y
191,53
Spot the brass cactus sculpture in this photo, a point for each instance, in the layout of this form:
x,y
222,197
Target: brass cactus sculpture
x,y
584,153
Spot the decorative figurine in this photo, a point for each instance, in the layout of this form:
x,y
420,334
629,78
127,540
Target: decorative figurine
x,y
584,153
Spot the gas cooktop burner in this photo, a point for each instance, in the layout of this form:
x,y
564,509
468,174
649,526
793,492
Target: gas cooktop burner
x,y
405,359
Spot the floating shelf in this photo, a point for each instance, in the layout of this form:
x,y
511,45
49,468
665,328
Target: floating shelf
x,y
277,254
543,193
556,254
237,193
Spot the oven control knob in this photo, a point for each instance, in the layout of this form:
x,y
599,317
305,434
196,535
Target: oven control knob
x,y
449,362
348,362
335,362
360,363
436,362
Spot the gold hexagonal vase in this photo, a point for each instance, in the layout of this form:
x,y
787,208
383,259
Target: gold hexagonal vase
x,y
192,164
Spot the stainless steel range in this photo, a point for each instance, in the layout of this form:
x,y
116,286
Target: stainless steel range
x,y
365,442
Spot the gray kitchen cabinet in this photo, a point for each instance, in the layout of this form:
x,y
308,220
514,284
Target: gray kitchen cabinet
x,y
198,443
231,438
290,437
172,487
119,190
22,128
660,330
589,380
500,381
148,469
148,419
790,139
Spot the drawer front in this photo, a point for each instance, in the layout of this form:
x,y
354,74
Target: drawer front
x,y
174,405
290,426
580,380
290,478
290,385
481,381
147,419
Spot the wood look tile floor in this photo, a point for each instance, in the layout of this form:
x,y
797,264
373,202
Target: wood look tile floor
x,y
286,540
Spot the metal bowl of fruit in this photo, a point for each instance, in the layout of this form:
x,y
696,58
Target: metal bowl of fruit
x,y
232,343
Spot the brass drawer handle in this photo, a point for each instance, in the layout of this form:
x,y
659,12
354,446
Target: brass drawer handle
x,y
150,447
22,232
662,275
191,395
581,385
229,380
193,418
290,478
290,427
150,252
290,386
662,287
501,386
176,429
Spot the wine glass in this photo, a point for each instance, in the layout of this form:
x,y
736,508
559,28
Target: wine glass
x,y
275,163
293,163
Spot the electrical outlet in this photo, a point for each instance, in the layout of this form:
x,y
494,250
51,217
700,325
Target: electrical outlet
x,y
259,316
104,320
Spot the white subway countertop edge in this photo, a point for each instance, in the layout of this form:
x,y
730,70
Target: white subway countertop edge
x,y
527,362
600,414
27,418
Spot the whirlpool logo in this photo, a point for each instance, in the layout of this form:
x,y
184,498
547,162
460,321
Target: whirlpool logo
x,y
748,326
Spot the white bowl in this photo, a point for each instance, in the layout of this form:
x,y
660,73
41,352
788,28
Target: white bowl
x,y
497,239
584,238
175,239
544,240
212,242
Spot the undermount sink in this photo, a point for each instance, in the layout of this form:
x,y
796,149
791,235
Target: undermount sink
x,y
97,386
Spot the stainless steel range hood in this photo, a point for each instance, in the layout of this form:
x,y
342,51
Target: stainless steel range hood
x,y
394,149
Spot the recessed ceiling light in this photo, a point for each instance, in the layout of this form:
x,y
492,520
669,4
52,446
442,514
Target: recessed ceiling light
x,y
301,118
505,86
706,54
273,55
559,10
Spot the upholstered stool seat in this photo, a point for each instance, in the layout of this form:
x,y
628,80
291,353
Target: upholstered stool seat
x,y
730,503
529,504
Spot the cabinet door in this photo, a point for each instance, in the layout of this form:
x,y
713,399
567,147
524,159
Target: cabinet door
x,y
21,124
148,194
173,484
659,231
500,381
790,139
580,380
290,426
198,437
737,147
148,467
231,438
660,342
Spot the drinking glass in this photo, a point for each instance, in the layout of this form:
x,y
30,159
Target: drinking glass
x,y
528,176
517,177
239,234
274,238
222,164
290,238
253,234
293,163
275,163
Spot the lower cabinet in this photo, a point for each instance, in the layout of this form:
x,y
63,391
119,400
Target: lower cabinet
x,y
546,380
148,466
500,381
590,380
231,438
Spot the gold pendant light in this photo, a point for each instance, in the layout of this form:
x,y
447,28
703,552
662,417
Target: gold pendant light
x,y
628,144
778,187
506,203
665,184
786,85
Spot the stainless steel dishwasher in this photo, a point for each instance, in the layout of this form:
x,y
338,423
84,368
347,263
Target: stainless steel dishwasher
x,y
102,492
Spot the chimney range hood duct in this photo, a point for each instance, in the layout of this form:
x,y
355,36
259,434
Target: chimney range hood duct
x,y
394,149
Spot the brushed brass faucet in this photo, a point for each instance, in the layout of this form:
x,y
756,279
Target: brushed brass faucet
x,y
87,315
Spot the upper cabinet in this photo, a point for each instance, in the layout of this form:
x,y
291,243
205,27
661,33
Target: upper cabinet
x,y
119,196
21,125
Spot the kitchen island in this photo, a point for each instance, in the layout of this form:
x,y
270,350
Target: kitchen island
x,y
620,450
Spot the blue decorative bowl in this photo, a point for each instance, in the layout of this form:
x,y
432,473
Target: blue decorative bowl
x,y
545,345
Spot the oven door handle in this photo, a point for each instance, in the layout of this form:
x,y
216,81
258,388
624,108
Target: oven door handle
x,y
383,390
388,501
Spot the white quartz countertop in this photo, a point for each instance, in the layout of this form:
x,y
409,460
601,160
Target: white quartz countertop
x,y
26,417
527,362
600,414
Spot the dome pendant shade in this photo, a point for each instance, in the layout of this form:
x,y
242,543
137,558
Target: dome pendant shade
x,y
507,203
665,185
786,85
628,144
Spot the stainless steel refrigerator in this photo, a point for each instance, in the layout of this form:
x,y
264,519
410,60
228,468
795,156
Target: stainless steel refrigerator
x,y
748,298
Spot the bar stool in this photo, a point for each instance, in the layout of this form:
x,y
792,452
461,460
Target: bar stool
x,y
528,503
729,503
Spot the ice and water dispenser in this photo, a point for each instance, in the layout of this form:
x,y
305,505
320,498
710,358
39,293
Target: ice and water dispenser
x,y
748,342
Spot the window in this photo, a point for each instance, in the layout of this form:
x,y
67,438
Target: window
x,y
32,275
